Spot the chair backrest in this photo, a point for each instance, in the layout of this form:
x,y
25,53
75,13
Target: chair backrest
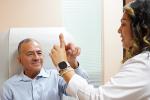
x,y
46,36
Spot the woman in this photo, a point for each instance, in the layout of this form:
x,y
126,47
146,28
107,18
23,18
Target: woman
x,y
132,82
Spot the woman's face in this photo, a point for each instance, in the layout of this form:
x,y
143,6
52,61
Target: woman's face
x,y
126,31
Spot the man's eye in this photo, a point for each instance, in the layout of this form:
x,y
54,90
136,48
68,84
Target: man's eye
x,y
40,53
29,54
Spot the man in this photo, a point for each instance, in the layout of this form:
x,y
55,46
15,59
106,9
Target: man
x,y
36,83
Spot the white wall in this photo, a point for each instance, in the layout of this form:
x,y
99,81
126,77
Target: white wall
x,y
112,43
30,13
3,57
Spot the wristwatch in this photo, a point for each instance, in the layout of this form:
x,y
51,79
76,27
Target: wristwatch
x,y
63,65
64,68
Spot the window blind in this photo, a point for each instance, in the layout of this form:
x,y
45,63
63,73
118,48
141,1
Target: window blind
x,y
82,19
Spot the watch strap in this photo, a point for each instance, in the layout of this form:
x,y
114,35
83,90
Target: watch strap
x,y
64,71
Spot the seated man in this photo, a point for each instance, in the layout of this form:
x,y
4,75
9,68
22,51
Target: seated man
x,y
34,82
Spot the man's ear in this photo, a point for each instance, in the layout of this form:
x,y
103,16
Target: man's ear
x,y
19,59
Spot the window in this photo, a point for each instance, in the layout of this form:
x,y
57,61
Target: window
x,y
82,19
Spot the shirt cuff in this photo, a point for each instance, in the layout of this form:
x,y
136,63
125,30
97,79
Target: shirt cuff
x,y
77,69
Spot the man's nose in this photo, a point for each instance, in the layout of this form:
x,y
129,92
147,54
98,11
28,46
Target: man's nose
x,y
36,56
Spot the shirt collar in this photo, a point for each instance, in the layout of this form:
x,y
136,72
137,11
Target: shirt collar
x,y
42,74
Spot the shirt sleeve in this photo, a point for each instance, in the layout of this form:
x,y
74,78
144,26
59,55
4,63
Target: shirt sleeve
x,y
131,83
5,93
81,72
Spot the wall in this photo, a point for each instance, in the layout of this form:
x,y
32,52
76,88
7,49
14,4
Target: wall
x,y
29,13
25,13
3,57
113,50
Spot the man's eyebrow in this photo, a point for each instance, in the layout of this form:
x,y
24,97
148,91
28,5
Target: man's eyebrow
x,y
29,52
34,51
39,51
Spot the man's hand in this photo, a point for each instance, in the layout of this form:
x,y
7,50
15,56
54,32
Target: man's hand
x,y
65,52
58,52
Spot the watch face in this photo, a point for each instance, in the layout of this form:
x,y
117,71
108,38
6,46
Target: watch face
x,y
62,65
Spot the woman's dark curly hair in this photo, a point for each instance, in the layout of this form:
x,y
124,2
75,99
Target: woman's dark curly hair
x,y
139,13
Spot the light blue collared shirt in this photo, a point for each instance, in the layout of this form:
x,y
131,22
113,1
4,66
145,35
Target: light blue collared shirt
x,y
47,85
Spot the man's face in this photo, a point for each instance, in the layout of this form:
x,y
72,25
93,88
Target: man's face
x,y
31,56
